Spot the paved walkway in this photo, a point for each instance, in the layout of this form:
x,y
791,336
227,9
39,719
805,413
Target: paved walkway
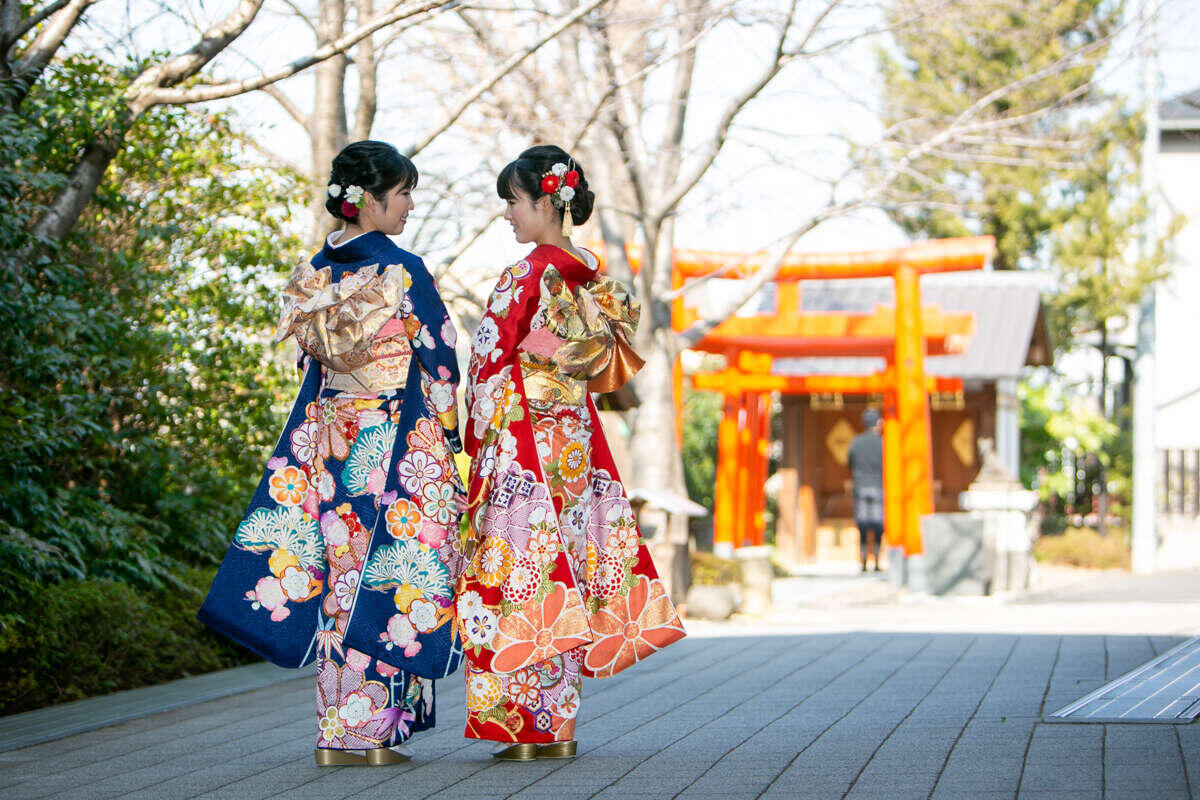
x,y
741,710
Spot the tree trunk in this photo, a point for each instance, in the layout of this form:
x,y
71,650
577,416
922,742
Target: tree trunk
x,y
64,210
658,462
367,67
328,133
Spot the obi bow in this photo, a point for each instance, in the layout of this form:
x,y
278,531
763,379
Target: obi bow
x,y
595,322
336,321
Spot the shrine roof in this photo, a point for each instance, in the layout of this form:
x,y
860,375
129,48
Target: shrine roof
x,y
1010,327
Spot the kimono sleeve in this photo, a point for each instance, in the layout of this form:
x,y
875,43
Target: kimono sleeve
x,y
433,338
510,310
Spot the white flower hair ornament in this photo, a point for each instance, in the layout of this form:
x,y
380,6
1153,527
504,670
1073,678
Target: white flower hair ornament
x,y
560,183
352,202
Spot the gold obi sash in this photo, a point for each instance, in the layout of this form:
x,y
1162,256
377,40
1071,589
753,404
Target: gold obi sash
x,y
545,383
387,372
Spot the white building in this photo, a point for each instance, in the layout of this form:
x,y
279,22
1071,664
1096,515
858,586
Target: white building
x,y
1177,322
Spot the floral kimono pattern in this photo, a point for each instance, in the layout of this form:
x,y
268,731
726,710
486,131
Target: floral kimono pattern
x,y
560,584
350,550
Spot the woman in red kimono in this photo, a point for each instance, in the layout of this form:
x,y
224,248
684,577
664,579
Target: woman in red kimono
x,y
560,584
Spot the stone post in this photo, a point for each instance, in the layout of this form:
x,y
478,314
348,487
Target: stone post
x,y
1004,505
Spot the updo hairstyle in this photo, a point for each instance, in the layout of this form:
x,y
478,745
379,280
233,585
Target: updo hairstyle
x,y
375,166
526,174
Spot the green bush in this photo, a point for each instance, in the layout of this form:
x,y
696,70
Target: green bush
x,y
1083,547
80,638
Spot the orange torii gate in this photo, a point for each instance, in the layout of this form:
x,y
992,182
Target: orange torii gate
x,y
903,335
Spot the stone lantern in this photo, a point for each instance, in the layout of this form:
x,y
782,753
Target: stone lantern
x,y
1003,505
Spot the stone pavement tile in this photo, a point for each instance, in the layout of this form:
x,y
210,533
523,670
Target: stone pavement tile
x,y
814,784
654,722
110,750
755,780
1064,757
1065,776
1000,783
907,789
1060,794
818,716
1137,745
1188,743
1161,778
198,776
287,776
687,758
164,757
1139,793
67,719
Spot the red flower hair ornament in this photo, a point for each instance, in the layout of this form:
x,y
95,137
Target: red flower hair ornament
x,y
560,183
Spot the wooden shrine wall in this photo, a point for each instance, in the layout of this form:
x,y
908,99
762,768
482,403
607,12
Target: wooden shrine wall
x,y
826,434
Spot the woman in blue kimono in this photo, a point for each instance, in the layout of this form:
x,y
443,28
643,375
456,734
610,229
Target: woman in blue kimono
x,y
350,549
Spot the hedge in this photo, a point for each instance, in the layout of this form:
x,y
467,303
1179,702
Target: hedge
x,y
81,638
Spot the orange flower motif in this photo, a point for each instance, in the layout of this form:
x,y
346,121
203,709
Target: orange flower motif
x,y
288,486
593,560
403,519
630,628
538,632
573,463
493,562
484,690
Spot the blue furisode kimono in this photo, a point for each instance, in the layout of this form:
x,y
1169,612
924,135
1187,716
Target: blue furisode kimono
x,y
350,549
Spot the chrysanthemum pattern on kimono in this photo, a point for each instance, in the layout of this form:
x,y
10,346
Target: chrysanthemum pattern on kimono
x,y
350,550
560,584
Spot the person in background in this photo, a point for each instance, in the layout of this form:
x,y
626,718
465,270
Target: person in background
x,y
866,471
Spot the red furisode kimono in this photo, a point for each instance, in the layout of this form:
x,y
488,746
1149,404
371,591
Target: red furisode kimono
x,y
560,584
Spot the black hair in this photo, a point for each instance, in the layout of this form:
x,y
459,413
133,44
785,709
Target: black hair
x,y
375,166
526,174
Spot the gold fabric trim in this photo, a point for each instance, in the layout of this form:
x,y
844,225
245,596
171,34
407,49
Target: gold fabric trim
x,y
546,384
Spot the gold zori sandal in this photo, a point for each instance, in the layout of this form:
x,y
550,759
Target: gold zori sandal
x,y
526,751
328,757
521,751
558,749
375,757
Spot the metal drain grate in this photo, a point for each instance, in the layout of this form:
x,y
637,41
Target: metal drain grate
x,y
1166,689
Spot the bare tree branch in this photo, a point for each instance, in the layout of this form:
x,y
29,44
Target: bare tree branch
x,y
302,16
762,276
736,105
37,18
487,83
148,89
199,94
294,111
37,56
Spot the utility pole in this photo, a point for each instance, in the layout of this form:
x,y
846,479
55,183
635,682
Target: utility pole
x,y
1145,463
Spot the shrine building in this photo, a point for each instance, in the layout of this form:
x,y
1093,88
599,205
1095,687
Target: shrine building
x,y
928,334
